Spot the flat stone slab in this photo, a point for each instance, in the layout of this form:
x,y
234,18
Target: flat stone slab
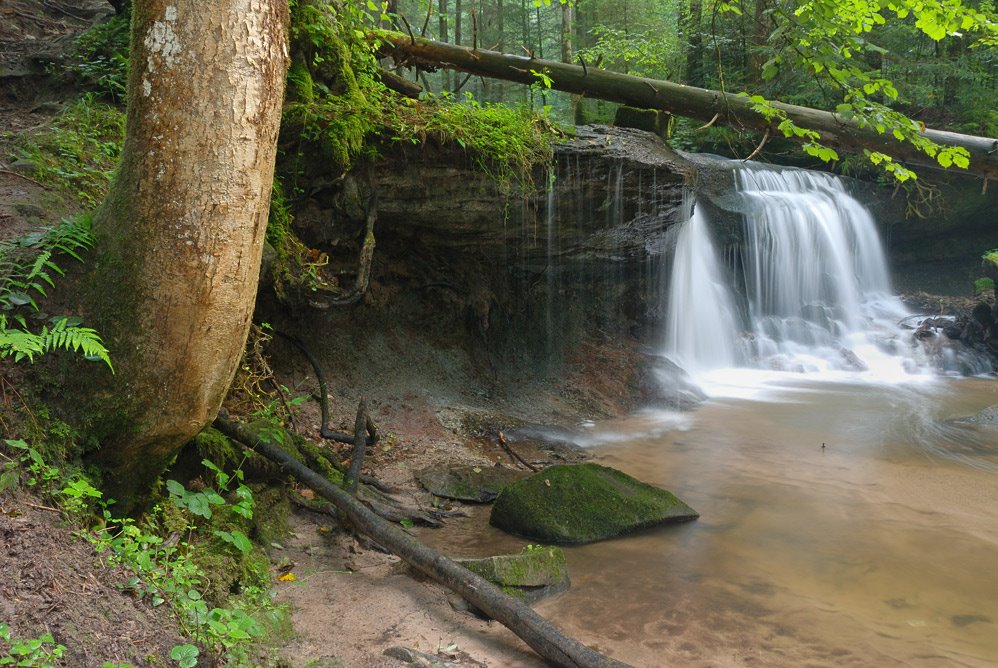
x,y
530,575
479,484
583,503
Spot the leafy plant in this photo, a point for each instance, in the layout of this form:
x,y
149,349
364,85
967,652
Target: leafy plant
x,y
78,150
99,57
41,652
27,270
983,286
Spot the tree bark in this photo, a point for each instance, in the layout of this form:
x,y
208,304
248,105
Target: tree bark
x,y
180,234
836,131
519,618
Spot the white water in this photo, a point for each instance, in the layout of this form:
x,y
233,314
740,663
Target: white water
x,y
813,293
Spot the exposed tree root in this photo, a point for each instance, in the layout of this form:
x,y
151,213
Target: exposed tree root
x,y
537,632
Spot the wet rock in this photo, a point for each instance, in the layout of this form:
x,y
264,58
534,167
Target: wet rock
x,y
479,484
988,416
584,503
852,360
417,658
531,575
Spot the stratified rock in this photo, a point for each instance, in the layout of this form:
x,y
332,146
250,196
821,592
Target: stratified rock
x,y
530,575
584,503
480,484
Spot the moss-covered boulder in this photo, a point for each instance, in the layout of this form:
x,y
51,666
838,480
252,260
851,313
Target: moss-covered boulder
x,y
583,503
530,575
480,484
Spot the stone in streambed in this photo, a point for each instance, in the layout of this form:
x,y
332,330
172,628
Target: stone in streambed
x,y
480,484
530,575
584,503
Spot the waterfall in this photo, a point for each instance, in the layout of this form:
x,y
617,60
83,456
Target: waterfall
x,y
806,291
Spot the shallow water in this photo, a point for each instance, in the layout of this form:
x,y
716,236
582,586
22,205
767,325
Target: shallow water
x,y
879,550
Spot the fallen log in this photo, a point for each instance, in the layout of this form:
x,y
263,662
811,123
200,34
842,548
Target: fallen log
x,y
714,106
541,635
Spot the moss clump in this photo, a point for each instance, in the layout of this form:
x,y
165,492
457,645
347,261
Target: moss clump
x,y
583,503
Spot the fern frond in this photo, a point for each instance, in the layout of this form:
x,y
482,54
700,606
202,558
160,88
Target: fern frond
x,y
24,344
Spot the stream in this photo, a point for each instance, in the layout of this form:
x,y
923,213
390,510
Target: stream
x,y
878,550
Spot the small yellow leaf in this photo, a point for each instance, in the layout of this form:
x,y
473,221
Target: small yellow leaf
x,y
477,469
547,482
287,577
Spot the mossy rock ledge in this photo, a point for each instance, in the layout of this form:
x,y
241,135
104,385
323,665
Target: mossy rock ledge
x,y
583,503
530,575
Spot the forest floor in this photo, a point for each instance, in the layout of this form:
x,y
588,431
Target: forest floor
x,y
349,601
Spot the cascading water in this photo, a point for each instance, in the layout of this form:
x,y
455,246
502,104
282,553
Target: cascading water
x,y
807,291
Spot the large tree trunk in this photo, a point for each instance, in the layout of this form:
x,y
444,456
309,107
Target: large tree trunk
x,y
709,105
180,233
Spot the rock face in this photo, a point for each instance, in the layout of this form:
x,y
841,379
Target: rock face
x,y
584,503
479,484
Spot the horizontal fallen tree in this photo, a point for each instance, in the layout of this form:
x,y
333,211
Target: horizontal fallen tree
x,y
541,635
837,131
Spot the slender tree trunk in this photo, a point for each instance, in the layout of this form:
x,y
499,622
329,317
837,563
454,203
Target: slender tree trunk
x,y
693,31
180,234
445,76
458,9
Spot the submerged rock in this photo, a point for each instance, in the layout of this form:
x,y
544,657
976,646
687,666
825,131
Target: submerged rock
x,y
480,484
584,503
988,416
530,575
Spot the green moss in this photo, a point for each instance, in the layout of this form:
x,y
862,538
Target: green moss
x,y
991,258
582,503
271,512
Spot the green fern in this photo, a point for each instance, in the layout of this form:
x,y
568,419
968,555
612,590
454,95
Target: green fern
x,y
24,344
27,268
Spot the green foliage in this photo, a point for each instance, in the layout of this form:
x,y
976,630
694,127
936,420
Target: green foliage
x,y
640,52
168,571
78,151
991,257
983,286
27,270
41,652
99,57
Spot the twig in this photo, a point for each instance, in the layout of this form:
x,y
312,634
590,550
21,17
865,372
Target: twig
x,y
48,508
759,147
585,70
26,178
710,122
408,28
512,453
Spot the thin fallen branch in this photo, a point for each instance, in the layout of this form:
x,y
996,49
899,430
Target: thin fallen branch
x,y
758,148
513,453
537,632
26,178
